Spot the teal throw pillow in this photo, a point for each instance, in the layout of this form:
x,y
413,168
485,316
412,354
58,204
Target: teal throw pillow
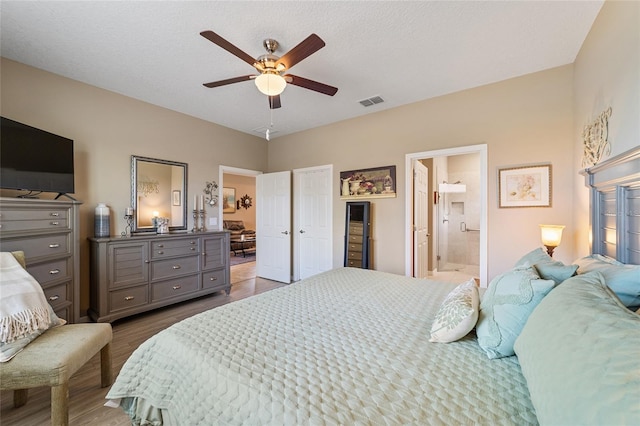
x,y
579,354
535,256
556,271
623,279
505,307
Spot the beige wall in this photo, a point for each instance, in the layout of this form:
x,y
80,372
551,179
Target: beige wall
x,y
606,74
107,128
523,121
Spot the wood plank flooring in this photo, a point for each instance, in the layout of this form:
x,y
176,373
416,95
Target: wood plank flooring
x,y
86,397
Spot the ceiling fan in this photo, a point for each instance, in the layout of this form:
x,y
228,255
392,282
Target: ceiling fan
x,y
272,79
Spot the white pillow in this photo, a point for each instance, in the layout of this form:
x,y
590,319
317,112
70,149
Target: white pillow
x,y
24,311
457,314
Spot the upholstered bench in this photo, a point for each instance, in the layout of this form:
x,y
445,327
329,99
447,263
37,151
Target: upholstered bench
x,y
52,358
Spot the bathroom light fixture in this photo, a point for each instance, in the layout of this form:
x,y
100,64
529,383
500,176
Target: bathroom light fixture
x,y
270,83
551,236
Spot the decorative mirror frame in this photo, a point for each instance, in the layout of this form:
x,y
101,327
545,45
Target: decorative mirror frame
x,y
172,203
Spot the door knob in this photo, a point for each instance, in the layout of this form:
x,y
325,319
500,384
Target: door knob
x,y
285,232
302,231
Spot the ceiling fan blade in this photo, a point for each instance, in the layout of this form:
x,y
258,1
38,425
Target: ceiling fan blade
x,y
311,85
228,81
305,48
216,39
274,102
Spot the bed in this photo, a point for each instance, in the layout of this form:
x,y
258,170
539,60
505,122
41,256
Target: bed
x,y
353,346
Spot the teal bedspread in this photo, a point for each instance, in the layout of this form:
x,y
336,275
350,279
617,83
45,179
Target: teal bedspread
x,y
348,346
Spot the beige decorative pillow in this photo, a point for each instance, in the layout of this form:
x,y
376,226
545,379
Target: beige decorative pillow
x,y
457,315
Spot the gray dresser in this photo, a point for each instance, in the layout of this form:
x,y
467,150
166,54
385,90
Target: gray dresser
x,y
47,232
140,273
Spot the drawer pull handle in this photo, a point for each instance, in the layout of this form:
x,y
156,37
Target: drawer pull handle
x,y
161,245
54,245
214,278
192,242
146,261
54,214
127,298
176,266
54,271
160,252
53,298
54,223
192,248
177,287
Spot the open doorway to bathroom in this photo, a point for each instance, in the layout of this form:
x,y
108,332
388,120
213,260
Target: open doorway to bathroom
x,y
457,214
457,244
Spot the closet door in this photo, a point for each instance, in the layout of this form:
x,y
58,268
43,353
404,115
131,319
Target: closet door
x,y
357,251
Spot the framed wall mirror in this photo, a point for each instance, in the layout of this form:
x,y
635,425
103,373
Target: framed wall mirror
x,y
158,191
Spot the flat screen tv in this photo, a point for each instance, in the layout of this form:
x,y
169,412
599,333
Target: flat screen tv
x,y
34,160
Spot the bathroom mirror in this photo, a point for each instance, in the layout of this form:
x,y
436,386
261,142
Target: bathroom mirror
x,y
158,190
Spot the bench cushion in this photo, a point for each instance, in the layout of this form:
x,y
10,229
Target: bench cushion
x,y
53,357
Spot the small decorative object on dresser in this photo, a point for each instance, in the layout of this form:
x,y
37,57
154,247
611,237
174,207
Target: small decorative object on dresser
x,y
46,231
129,276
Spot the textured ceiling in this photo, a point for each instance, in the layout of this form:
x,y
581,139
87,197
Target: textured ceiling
x,y
402,51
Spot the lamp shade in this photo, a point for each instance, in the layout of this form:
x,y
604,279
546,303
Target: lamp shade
x,y
270,84
551,234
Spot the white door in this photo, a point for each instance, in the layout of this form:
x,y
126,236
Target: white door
x,y
313,224
273,226
420,220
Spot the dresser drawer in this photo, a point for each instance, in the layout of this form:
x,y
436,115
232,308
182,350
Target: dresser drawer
x,y
354,263
171,248
128,298
63,313
355,255
169,268
51,271
32,220
58,295
40,246
174,288
214,279
354,247
356,228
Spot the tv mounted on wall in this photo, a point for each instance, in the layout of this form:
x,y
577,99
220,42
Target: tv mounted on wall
x,y
34,160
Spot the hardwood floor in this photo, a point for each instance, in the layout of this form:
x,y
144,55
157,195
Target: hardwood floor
x,y
86,397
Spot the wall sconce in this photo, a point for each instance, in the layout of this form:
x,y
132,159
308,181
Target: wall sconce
x,y
551,236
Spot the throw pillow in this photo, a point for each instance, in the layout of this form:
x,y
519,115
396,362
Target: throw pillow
x,y
556,271
457,314
623,279
579,355
505,307
24,311
535,256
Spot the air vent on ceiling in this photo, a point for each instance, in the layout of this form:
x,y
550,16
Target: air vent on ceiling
x,y
371,101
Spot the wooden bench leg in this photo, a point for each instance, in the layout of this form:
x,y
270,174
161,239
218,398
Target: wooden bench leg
x,y
105,365
60,405
20,397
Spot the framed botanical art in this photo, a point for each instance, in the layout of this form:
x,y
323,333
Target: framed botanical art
x,y
228,200
379,182
526,186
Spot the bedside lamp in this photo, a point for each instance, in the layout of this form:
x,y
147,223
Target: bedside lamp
x,y
551,236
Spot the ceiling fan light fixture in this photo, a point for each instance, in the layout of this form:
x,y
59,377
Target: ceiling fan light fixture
x,y
270,84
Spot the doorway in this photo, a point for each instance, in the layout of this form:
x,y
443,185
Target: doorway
x,y
458,212
242,184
